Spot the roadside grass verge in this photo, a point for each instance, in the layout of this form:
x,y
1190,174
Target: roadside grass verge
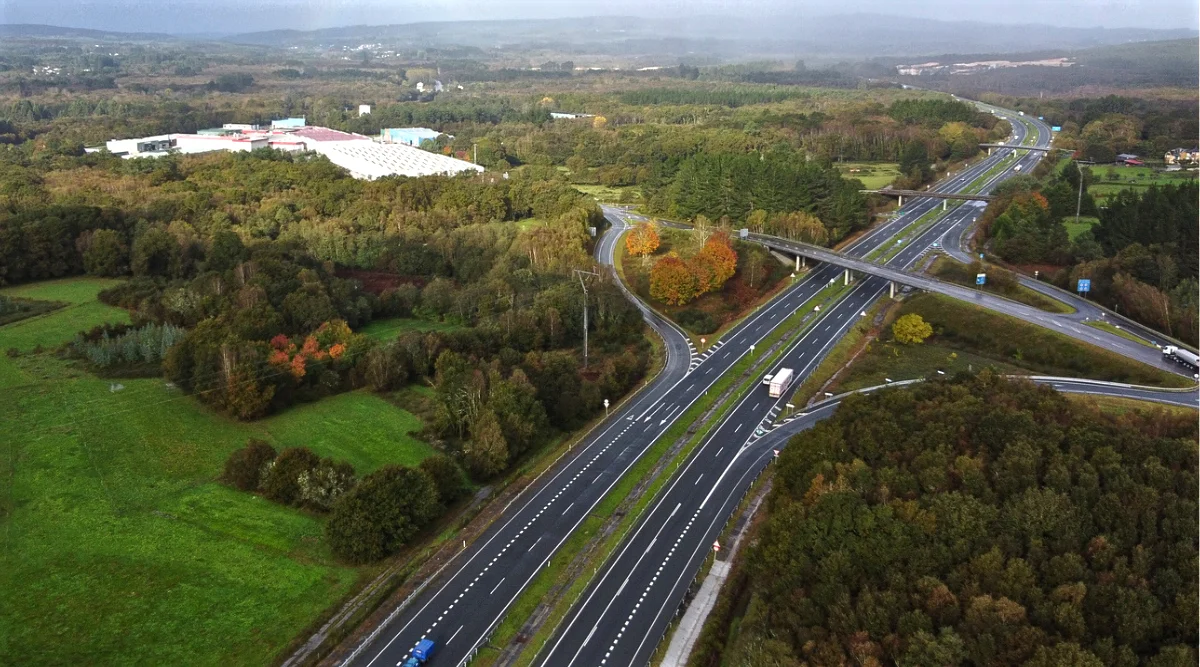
x,y
1118,331
999,281
1115,405
555,575
968,328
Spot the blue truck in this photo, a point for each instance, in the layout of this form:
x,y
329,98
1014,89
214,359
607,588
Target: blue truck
x,y
421,653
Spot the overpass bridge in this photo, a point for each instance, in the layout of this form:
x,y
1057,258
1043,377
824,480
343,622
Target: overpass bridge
x,y
901,194
1061,323
1019,147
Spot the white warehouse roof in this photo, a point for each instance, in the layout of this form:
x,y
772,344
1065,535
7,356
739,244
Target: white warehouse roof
x,y
369,160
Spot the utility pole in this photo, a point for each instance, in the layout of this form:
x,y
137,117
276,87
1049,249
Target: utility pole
x,y
582,284
1079,197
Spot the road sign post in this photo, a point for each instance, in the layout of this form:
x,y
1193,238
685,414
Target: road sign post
x,y
980,279
606,407
1084,286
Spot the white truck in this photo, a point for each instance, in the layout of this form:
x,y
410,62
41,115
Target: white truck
x,y
780,381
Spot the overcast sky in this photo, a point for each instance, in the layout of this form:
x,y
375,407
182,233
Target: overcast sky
x,y
233,16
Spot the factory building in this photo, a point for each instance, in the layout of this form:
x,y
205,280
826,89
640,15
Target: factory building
x,y
413,136
360,155
370,160
184,143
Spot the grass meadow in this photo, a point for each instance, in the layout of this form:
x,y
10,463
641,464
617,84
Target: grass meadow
x,y
117,545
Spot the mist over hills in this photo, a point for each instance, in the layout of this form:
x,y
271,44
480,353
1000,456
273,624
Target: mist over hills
x,y
693,37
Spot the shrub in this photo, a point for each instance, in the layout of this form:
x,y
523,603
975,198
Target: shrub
x,y
447,476
321,486
380,515
911,329
281,481
697,321
244,467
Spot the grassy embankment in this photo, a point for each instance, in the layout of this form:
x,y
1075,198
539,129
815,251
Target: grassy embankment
x,y
997,283
119,545
556,574
1118,331
967,337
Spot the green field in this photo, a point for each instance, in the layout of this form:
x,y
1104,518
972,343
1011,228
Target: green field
x,y
118,547
884,361
1074,229
873,175
622,194
1111,180
394,327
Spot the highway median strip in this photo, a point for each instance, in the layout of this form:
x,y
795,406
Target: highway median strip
x,y
652,473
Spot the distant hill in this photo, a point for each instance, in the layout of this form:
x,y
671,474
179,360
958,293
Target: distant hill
x,y
693,38
846,36
18,30
1148,64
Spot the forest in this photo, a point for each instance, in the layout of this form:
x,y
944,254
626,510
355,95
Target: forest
x,y
1015,528
244,285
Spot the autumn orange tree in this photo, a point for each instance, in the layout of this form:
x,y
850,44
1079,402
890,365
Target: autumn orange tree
x,y
672,281
714,264
642,240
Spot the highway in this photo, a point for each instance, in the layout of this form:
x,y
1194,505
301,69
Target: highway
x,y
460,607
630,604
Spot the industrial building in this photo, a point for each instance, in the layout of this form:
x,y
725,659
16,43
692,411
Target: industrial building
x,y
370,160
184,143
413,136
360,155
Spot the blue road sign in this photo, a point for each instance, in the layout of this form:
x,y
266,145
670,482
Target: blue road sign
x,y
1041,118
980,255
980,278
1085,285
1056,128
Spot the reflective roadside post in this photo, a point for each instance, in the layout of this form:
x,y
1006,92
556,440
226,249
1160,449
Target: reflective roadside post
x,y
606,407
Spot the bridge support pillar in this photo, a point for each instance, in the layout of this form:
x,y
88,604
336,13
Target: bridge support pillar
x,y
891,290
901,204
846,277
944,202
989,151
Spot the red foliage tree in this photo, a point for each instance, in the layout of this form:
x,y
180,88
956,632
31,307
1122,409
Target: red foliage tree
x,y
672,281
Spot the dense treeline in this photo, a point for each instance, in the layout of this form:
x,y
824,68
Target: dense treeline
x,y
1102,127
1141,257
1015,528
255,255
735,185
